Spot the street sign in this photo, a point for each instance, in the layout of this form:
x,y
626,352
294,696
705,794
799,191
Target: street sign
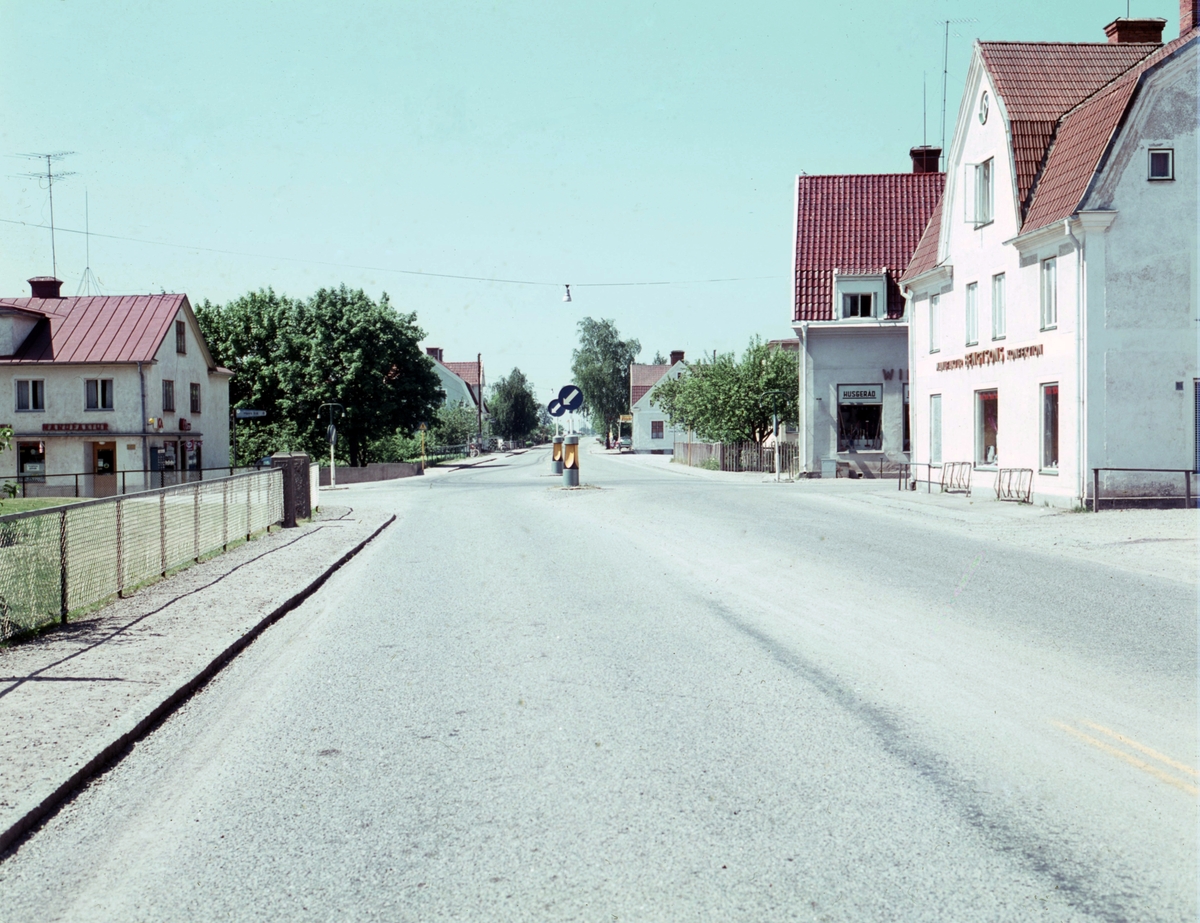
x,y
331,434
571,397
555,408
249,414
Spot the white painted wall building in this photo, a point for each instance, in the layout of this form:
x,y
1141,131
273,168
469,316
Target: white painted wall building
x,y
653,433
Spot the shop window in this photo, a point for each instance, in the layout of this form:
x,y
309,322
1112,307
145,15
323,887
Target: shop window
x,y
999,318
1049,293
195,393
935,309
986,425
168,396
1050,427
860,418
935,429
181,337
31,461
972,313
99,393
656,429
857,306
1162,163
31,394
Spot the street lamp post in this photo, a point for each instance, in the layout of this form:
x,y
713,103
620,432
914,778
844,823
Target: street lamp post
x,y
774,394
331,434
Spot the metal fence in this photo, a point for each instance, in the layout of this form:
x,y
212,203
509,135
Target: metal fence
x,y
740,456
63,559
90,484
1142,487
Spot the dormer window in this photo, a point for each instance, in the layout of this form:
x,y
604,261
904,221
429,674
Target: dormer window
x,y
1162,163
857,305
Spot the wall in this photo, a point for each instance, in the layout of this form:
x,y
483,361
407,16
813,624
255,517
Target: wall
x,y
645,412
377,472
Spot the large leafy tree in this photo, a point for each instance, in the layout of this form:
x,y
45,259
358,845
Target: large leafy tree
x,y
289,356
514,409
601,369
727,400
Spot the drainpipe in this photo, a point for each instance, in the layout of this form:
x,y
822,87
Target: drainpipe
x,y
802,388
145,449
1080,372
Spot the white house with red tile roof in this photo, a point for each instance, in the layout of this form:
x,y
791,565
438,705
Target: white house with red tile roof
x,y
106,388
653,433
463,382
1053,295
854,235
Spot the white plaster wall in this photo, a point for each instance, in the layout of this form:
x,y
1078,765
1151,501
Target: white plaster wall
x,y
457,390
645,412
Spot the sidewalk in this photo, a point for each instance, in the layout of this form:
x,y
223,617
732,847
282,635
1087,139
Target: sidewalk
x,y
73,698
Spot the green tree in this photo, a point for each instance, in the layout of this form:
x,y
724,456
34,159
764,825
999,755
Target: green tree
x,y
455,424
601,369
727,400
289,356
513,407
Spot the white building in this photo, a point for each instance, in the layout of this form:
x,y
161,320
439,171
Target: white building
x,y
854,235
463,382
653,433
105,390
1054,305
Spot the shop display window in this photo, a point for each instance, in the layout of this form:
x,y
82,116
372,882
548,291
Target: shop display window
x,y
31,459
860,418
1050,427
986,428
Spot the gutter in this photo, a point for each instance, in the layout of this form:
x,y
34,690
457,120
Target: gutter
x,y
1080,371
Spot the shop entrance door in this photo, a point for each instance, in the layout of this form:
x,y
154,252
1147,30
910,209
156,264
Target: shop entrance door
x,y
104,469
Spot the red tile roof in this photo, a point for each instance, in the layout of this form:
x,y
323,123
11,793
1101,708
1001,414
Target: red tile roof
x,y
865,223
925,257
642,378
467,371
1040,81
1082,138
98,328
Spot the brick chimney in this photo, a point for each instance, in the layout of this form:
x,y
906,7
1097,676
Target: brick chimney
x,y
45,287
435,352
925,158
1120,31
1189,15
676,356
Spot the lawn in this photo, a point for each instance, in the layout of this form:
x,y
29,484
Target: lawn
x,y
19,505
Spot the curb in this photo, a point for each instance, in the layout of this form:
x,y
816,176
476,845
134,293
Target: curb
x,y
47,805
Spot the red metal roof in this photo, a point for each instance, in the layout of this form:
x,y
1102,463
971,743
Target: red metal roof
x,y
642,378
1083,136
1040,81
925,257
127,328
861,223
467,371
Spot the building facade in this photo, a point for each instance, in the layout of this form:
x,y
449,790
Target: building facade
x,y
1053,297
462,382
653,433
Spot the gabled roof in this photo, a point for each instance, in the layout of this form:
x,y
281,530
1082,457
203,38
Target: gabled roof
x,y
125,328
925,257
642,378
467,371
858,223
1082,138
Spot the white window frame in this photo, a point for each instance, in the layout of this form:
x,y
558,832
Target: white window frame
x,y
104,388
999,307
971,314
981,460
35,395
935,429
846,296
1048,285
935,307
1042,446
979,192
1170,152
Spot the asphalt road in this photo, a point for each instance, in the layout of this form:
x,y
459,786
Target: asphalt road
x,y
670,698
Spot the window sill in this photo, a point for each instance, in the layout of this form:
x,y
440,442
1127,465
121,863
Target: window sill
x,y
992,467
980,225
1160,179
971,343
996,339
1048,472
97,410
1048,329
31,410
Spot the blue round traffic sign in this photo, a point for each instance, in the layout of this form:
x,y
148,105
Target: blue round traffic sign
x,y
555,408
571,397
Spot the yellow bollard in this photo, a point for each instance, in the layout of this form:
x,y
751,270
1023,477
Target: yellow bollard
x,y
570,461
556,456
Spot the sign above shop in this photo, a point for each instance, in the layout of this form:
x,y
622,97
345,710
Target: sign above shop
x,y
74,427
995,356
860,394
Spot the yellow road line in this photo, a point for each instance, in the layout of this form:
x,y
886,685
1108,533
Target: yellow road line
x,y
1137,746
1129,758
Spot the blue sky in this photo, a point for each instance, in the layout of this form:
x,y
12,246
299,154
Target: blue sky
x,y
551,142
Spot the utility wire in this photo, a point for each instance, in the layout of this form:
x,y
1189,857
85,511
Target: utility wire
x,y
407,272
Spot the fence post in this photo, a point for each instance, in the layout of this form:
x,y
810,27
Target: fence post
x,y
1187,488
196,523
162,531
120,550
249,504
1095,490
62,563
225,515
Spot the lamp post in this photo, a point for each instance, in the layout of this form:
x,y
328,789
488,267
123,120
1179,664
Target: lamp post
x,y
331,434
774,394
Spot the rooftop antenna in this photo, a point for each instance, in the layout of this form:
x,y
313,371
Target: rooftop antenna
x,y
89,280
946,73
49,177
924,110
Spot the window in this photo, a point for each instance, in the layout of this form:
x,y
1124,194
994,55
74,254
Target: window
x,y
972,313
180,337
984,197
195,389
1162,163
856,306
935,429
986,419
1049,294
860,418
99,393
168,396
907,423
31,395
934,323
1050,427
656,429
999,321
31,461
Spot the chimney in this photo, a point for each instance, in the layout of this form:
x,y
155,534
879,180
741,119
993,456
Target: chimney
x,y
676,356
435,351
1150,31
45,287
925,158
1189,15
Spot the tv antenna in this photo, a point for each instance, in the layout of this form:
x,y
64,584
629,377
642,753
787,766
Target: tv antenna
x,y
947,23
88,280
49,177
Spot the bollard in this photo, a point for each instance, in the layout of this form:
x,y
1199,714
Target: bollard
x,y
570,461
556,455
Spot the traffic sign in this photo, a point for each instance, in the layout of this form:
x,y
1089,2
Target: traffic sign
x,y
571,397
555,408
331,434
249,414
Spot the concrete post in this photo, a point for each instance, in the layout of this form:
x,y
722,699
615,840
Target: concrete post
x,y
570,460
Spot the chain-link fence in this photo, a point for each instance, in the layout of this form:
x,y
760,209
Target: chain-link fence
x,y
57,561
739,456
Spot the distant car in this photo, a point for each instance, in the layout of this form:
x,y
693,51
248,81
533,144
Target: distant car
x,y
624,444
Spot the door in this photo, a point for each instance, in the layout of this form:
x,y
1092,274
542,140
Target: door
x,y
104,469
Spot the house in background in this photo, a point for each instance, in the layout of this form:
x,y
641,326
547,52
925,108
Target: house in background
x,y
653,433
1053,297
120,390
463,382
854,236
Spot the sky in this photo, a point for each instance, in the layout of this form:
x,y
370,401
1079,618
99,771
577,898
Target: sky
x,y
227,147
